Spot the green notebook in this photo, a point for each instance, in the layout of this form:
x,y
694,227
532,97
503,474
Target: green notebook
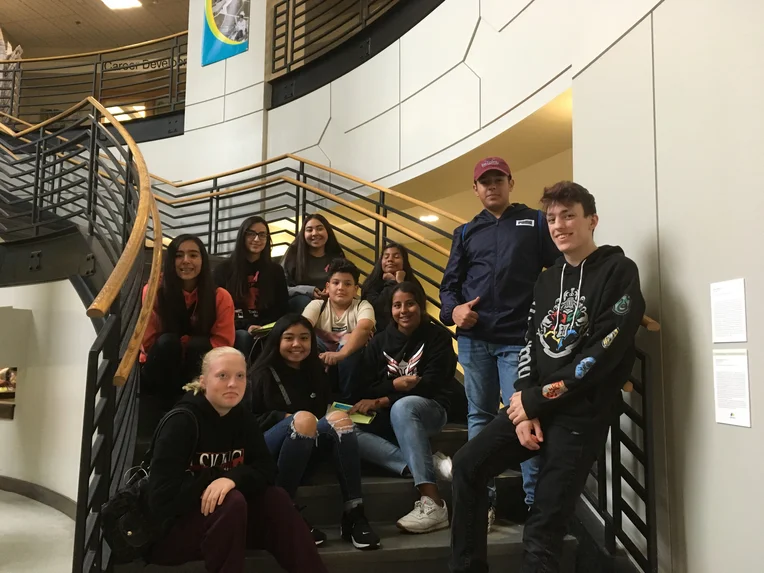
x,y
358,418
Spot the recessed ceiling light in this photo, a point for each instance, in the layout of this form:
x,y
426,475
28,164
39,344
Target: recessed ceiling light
x,y
139,107
114,109
428,218
122,4
123,117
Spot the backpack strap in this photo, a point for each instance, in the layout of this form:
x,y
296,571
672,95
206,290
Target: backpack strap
x,y
147,457
464,231
277,379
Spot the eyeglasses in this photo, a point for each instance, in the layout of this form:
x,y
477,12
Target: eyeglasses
x,y
251,236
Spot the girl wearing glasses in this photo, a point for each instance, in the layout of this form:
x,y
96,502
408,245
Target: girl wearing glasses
x,y
256,284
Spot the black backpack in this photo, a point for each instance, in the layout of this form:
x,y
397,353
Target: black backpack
x,y
126,520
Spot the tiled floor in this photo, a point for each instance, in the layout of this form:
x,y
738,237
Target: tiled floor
x,y
34,538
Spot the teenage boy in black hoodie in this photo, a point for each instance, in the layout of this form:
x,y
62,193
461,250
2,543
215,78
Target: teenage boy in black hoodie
x,y
579,353
487,291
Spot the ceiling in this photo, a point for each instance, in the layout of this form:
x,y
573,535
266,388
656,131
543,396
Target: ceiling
x,y
546,132
55,27
538,150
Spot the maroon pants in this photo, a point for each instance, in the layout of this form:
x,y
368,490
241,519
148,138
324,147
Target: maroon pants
x,y
269,521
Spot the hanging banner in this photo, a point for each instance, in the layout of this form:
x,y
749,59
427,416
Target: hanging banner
x,y
226,29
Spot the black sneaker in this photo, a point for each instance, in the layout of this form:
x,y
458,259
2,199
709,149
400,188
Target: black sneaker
x,y
355,528
319,537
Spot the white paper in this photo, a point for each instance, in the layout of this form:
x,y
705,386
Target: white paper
x,y
731,393
728,322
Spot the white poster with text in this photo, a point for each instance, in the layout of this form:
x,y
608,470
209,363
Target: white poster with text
x,y
731,392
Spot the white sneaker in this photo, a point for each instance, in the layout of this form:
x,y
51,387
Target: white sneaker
x,y
426,516
443,466
491,518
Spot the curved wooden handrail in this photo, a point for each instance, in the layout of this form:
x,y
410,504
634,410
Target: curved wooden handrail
x,y
108,51
179,185
136,339
397,226
118,276
649,323
146,207
381,189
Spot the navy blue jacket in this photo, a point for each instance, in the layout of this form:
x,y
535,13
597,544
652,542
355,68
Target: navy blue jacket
x,y
498,260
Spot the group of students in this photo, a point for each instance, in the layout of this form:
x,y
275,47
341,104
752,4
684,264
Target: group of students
x,y
555,347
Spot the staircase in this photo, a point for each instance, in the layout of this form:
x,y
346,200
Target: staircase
x,y
91,185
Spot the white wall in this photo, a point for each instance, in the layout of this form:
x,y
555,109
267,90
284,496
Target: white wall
x,y
42,443
667,134
467,72
224,108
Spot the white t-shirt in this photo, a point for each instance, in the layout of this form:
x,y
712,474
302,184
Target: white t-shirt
x,y
330,327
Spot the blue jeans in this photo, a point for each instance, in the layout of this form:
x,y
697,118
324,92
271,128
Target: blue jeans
x,y
490,372
293,453
415,420
346,372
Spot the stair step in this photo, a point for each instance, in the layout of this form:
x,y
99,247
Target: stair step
x,y
400,552
386,498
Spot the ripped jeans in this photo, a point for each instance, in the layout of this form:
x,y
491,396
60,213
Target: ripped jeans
x,y
293,454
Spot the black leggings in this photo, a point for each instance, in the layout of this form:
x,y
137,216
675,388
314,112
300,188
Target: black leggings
x,y
168,367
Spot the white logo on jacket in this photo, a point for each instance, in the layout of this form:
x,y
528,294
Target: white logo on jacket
x,y
525,223
404,368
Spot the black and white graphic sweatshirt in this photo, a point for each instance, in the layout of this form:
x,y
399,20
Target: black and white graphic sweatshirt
x,y
427,353
580,348
229,446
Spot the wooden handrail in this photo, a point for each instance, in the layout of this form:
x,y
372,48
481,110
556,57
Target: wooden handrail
x,y
650,324
398,227
146,207
381,189
270,161
147,307
118,276
647,322
108,51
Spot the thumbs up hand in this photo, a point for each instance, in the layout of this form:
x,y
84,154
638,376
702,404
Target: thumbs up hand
x,y
463,315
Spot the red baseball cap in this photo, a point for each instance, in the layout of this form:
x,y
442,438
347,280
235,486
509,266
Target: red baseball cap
x,y
491,164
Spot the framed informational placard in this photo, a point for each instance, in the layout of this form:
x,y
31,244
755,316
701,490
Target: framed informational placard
x,y
225,30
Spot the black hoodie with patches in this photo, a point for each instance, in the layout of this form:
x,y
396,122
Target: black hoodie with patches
x,y
580,343
229,446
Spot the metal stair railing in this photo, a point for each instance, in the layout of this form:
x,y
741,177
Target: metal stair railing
x,y
82,174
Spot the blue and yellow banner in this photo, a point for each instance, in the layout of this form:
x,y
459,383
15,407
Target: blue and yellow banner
x,y
226,29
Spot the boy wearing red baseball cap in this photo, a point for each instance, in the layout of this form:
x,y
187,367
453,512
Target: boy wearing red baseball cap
x,y
487,291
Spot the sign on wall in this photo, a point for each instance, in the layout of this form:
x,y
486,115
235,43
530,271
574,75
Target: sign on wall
x,y
226,29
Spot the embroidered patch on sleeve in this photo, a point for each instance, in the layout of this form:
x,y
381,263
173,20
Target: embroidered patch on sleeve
x,y
608,340
584,366
623,305
554,390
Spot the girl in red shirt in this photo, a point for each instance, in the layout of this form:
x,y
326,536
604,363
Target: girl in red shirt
x,y
191,316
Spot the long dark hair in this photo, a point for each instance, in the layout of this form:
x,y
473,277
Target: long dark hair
x,y
419,296
271,357
295,260
171,306
375,276
237,284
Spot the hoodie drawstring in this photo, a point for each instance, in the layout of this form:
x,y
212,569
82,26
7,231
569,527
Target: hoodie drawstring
x,y
578,299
